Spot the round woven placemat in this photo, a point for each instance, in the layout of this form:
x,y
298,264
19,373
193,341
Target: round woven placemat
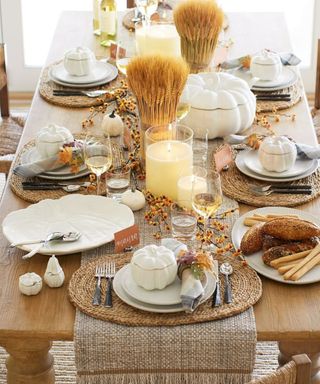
x,y
295,92
246,289
47,86
235,186
15,181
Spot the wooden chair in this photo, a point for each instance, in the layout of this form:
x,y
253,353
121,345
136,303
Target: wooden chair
x,y
297,371
130,4
10,126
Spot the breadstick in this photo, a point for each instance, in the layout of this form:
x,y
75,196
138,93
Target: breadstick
x,y
285,259
249,222
306,268
274,216
283,269
303,262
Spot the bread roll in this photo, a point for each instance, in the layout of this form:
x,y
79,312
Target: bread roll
x,y
252,240
288,228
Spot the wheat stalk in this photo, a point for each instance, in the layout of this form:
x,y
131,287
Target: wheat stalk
x,y
198,23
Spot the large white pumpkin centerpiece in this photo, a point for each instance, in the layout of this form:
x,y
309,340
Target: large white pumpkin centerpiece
x,y
221,104
153,267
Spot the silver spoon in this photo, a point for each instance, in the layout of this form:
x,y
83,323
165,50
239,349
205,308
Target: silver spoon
x,y
63,237
226,269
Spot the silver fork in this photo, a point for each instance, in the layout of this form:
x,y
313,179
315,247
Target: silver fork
x,y
110,269
259,192
99,273
96,93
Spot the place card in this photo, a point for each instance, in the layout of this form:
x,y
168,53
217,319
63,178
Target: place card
x,y
126,238
113,52
223,157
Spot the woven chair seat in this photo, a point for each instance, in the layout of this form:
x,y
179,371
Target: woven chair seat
x,y
10,132
316,121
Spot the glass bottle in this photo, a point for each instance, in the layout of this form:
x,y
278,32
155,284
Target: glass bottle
x,y
108,22
96,17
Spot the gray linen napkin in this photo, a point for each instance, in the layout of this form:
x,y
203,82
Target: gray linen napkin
x,y
191,288
304,151
37,167
287,58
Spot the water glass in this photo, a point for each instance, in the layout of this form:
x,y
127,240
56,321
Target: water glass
x,y
183,221
117,182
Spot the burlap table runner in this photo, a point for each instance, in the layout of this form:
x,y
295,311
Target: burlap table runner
x,y
215,352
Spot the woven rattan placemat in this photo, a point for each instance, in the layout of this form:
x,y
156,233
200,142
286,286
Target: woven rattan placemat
x,y
235,186
15,181
295,92
246,290
47,86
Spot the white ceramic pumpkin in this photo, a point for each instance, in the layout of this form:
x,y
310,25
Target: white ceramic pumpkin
x,y
79,61
112,124
153,267
51,138
221,104
277,153
133,199
30,284
266,65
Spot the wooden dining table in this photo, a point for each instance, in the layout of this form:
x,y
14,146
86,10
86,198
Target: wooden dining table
x,y
289,314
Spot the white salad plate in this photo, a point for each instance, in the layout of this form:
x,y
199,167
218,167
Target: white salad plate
x,y
97,218
240,164
170,295
287,78
255,260
100,71
125,297
111,76
252,161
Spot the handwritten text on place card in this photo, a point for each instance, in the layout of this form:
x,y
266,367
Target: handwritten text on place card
x,y
126,238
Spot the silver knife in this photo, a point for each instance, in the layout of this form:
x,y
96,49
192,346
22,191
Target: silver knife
x,y
216,298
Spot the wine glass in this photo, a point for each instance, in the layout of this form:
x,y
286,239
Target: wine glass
x,y
207,200
125,52
97,154
147,8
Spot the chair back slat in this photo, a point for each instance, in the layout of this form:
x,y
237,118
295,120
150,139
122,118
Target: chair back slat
x,y
4,93
317,92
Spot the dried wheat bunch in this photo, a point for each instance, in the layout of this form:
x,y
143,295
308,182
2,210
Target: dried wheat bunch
x,y
198,23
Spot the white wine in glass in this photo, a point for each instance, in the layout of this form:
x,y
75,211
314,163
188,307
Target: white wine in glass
x,y
97,154
182,110
208,201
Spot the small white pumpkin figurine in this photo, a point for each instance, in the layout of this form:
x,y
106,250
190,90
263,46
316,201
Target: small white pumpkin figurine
x,y
30,284
54,275
51,138
133,199
112,124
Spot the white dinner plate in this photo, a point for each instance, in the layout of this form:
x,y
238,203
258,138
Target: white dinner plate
x,y
100,72
70,176
113,74
251,160
31,155
255,260
285,80
170,295
240,164
122,294
97,218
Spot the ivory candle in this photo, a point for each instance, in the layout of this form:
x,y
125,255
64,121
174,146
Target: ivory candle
x,y
166,162
157,38
185,184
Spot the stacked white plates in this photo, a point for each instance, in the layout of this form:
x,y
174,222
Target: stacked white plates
x,y
102,73
248,163
287,78
62,173
166,300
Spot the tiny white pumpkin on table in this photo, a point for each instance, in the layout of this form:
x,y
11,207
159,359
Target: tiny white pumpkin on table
x,y
277,153
30,284
54,275
112,124
153,267
221,104
51,138
133,199
266,65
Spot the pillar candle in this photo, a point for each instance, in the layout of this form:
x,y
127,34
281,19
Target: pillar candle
x,y
185,184
158,38
166,162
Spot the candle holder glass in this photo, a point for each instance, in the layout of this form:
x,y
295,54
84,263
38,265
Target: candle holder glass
x,y
169,156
